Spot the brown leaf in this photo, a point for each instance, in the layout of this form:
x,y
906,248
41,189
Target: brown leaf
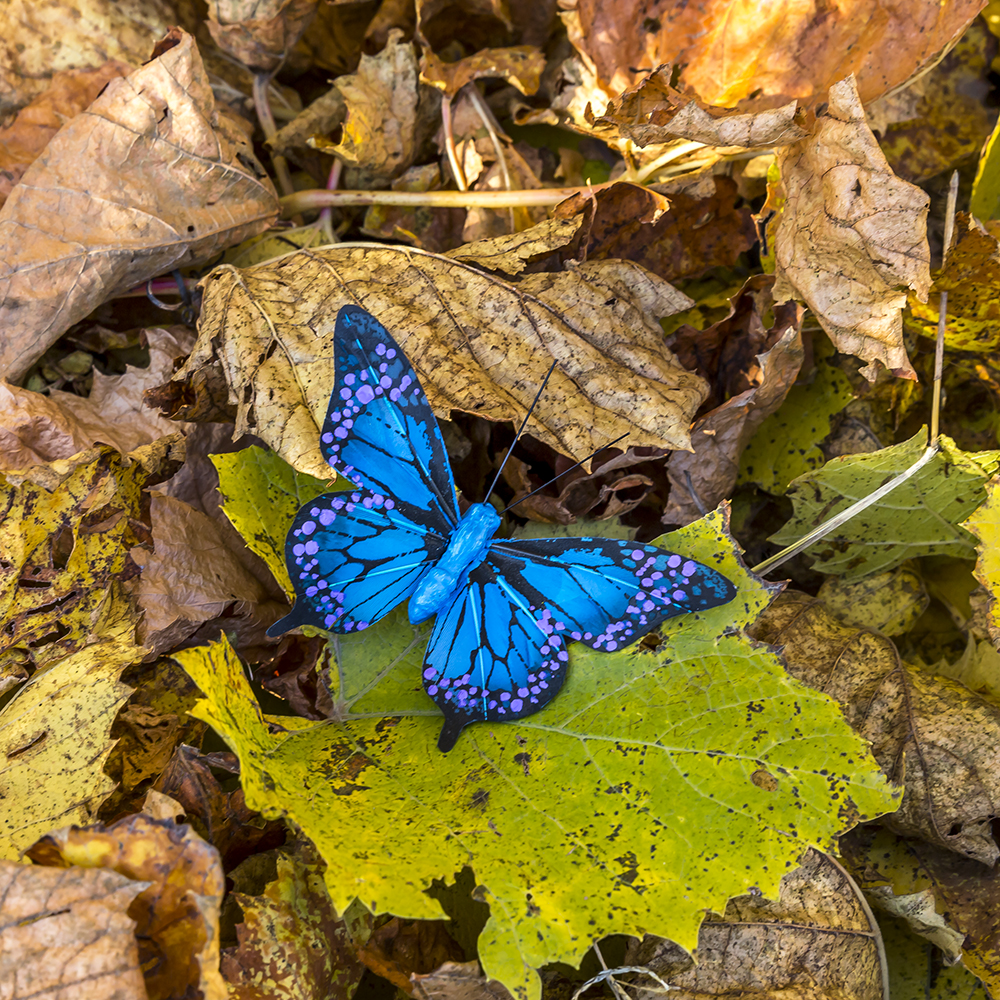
x,y
457,981
69,93
177,184
733,54
291,941
521,66
39,40
475,24
177,916
554,242
614,372
948,736
259,33
751,370
852,236
65,933
817,939
400,948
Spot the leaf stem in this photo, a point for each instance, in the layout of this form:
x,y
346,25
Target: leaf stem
x,y
949,232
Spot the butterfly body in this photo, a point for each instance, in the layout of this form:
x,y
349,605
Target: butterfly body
x,y
506,610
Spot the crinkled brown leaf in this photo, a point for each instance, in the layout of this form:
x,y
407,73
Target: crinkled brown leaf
x,y
851,236
751,368
66,933
177,916
512,255
733,53
457,981
38,40
400,948
259,33
476,24
929,732
817,939
124,192
69,93
614,373
520,65
292,944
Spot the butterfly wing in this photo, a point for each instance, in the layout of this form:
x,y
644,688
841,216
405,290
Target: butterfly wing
x,y
352,558
380,433
499,652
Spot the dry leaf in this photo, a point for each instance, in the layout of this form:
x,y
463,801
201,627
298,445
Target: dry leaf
x,y
746,52
177,912
521,66
478,344
948,737
321,118
457,981
476,24
516,174
400,948
817,939
38,40
852,236
65,933
69,93
515,253
124,192
752,370
333,42
259,33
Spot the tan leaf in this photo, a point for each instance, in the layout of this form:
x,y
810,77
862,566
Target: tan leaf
x,y
818,936
259,33
123,192
852,236
477,343
58,726
400,948
69,93
510,255
521,66
927,731
741,52
457,981
177,916
38,40
66,933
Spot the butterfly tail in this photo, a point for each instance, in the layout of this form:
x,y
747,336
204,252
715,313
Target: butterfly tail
x,y
450,732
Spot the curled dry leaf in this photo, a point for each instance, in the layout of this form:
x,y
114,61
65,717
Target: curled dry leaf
x,y
516,253
400,948
177,912
851,236
182,185
259,33
736,54
751,369
38,40
458,981
521,66
819,936
67,933
478,344
948,737
69,93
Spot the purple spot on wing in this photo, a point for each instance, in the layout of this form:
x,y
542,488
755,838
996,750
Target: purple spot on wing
x,y
366,394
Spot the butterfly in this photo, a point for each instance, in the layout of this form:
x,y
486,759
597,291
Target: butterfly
x,y
506,610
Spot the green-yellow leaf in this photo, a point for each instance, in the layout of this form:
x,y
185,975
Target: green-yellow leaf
x,y
920,517
655,786
984,523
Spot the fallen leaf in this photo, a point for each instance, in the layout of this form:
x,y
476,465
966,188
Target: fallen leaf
x,y
525,252
458,981
333,41
57,726
921,517
476,24
183,186
985,525
37,41
934,735
400,948
513,173
65,933
889,602
259,33
292,944
176,913
752,370
735,54
851,236
70,92
521,66
614,373
524,795
819,936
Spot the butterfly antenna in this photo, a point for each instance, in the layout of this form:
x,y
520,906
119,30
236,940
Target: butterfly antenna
x,y
520,430
563,473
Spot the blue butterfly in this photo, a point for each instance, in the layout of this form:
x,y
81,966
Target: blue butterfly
x,y
506,610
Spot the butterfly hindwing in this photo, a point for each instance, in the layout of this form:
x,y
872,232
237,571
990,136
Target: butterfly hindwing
x,y
380,432
352,558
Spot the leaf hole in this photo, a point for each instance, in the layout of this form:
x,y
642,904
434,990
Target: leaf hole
x,y
61,630
62,546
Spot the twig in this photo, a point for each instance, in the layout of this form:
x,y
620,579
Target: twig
x,y
669,156
486,117
262,104
449,143
949,232
325,220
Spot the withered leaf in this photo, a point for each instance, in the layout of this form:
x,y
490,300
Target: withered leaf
x,y
852,236
478,344
458,981
400,948
124,192
259,33
520,65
